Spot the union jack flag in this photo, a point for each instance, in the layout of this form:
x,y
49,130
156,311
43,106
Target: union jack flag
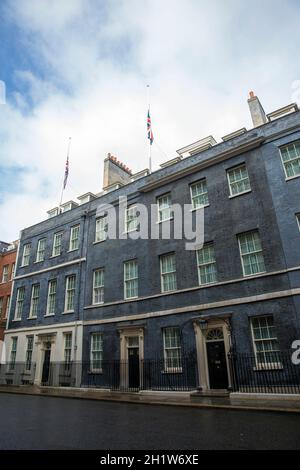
x,y
66,172
149,128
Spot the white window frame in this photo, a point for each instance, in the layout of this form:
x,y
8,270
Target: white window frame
x,y
5,273
29,353
13,353
266,364
205,264
98,288
293,144
298,220
8,298
99,350
100,229
26,254
13,267
161,208
201,194
129,280
56,246
34,301
74,240
68,342
242,255
50,296
167,368
1,307
19,303
70,291
162,274
230,183
131,218
40,252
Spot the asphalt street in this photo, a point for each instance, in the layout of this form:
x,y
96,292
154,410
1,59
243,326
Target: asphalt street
x,y
33,422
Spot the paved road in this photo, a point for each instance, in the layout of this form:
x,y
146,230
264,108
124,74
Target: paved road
x,y
29,422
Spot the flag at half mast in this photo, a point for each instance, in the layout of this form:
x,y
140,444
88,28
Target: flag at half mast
x,y
149,128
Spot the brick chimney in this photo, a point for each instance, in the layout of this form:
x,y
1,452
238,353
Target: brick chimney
x,y
115,172
257,112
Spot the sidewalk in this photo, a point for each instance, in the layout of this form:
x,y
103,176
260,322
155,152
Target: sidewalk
x,y
237,401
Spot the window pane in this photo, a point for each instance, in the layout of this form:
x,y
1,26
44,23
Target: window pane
x,y
199,194
238,180
251,253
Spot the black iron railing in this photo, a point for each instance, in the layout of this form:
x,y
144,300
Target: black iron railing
x,y
275,373
147,374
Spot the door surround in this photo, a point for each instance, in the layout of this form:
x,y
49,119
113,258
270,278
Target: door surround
x,y
125,333
44,342
200,335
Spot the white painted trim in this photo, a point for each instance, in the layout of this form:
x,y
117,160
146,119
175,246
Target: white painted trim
x,y
252,252
197,308
231,195
191,289
240,194
202,361
57,266
54,326
191,195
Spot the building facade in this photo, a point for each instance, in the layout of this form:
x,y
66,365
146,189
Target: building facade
x,y
8,256
148,313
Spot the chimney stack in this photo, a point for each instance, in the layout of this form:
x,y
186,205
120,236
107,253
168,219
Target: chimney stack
x,y
257,112
115,172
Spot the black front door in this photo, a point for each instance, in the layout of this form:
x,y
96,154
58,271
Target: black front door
x,y
133,368
46,367
217,367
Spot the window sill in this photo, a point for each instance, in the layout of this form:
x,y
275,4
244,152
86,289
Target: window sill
x,y
289,178
168,291
37,262
240,194
99,241
174,370
130,231
49,315
94,304
254,274
200,207
55,256
204,284
68,311
31,318
268,367
71,251
24,265
95,372
131,298
165,220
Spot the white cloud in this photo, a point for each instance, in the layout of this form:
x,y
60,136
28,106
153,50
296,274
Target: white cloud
x,y
200,57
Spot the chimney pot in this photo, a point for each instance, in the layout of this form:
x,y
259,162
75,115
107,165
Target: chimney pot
x,y
251,94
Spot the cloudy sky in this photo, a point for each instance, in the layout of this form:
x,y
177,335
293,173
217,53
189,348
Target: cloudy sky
x,y
80,68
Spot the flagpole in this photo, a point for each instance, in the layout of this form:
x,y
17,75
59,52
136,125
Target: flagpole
x,y
149,149
63,185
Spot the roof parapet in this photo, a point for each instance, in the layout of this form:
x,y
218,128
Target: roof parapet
x,y
171,162
197,147
234,134
278,113
140,174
